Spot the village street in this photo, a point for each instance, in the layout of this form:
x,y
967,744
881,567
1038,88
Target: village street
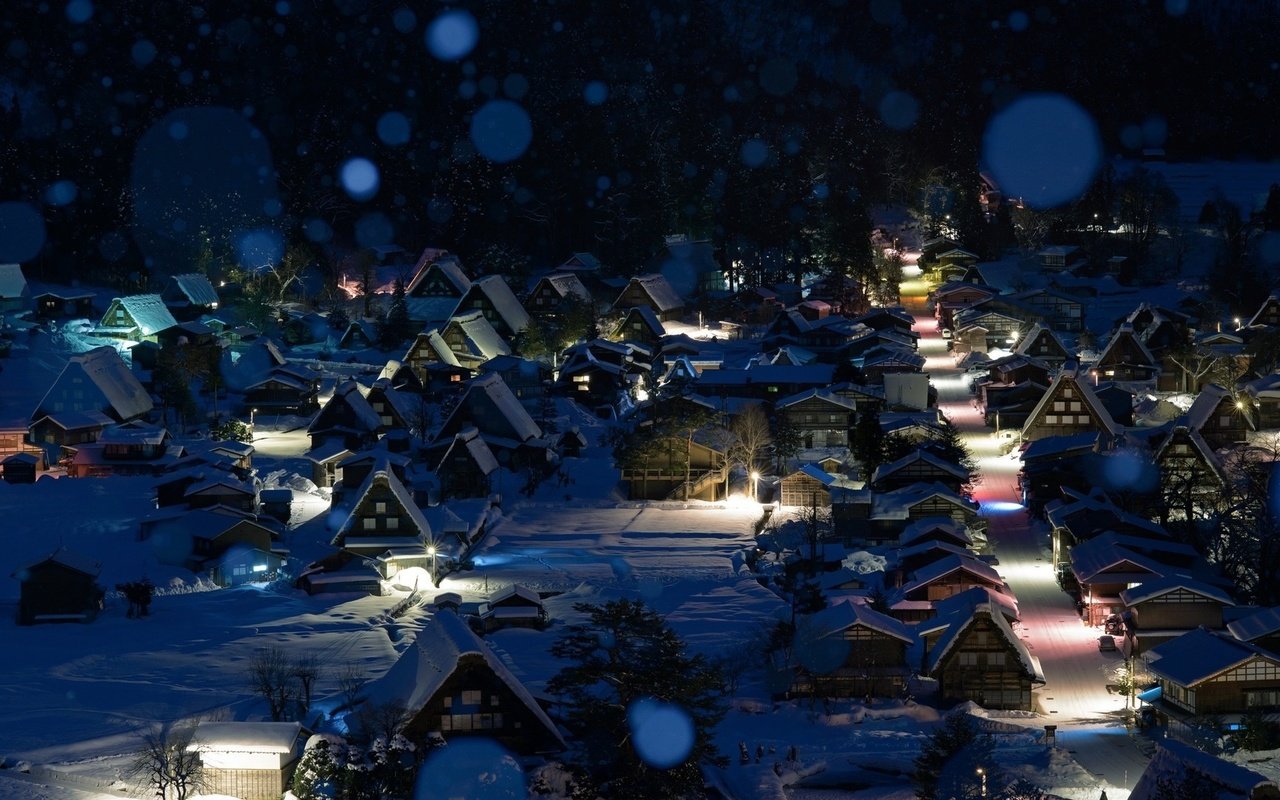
x,y
1090,720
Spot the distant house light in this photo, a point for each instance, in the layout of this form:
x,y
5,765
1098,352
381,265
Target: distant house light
x,y
259,567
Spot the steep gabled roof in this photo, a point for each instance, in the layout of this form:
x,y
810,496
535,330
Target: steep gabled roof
x,y
422,528
1090,559
1272,299
1206,403
149,313
502,299
951,564
647,316
496,389
1037,332
659,290
1197,441
106,370
480,339
963,619
476,447
917,530
350,394
441,262
1123,338
196,288
1070,377
566,284
427,665
1174,761
898,503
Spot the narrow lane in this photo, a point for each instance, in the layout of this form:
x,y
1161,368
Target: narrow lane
x,y
1091,719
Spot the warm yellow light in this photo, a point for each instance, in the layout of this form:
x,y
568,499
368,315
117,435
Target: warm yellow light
x,y
755,476
431,551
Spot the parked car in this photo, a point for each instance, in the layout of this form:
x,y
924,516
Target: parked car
x,y
1106,644
1114,625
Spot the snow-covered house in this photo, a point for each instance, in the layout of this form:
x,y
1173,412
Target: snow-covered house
x,y
133,448
64,303
347,418
189,295
553,292
385,519
652,290
602,372
466,467
1161,607
978,657
527,379
1268,314
60,588
97,382
820,417
880,517
640,324
1107,564
1178,766
1043,343
438,283
808,487
493,298
678,469
950,576
852,650
1264,397
514,606
451,683
1069,406
136,317
467,340
248,760
919,466
1126,358
490,406
1212,672
14,294
1219,417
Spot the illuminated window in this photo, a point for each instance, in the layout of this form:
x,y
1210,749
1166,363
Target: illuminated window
x,y
471,697
369,523
393,523
380,507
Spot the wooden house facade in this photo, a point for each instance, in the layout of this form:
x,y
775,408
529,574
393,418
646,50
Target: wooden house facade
x,y
820,418
863,653
652,290
1206,672
1068,407
61,588
678,469
979,658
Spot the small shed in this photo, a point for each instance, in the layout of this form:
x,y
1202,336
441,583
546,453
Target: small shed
x,y
277,503
249,760
21,468
514,606
61,588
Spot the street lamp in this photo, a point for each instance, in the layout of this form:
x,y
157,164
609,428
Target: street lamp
x,y
755,486
982,773
431,551
253,432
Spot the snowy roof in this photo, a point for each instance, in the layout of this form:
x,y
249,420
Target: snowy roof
x,y
1054,446
506,402
1158,587
477,447
922,527
945,566
963,618
247,737
1197,441
1210,397
149,313
351,394
1174,761
439,261
1122,333
13,284
646,315
503,300
818,474
76,420
1037,330
66,558
1200,654
1091,558
425,667
919,454
1266,386
401,495
821,394
659,289
196,288
1071,375
480,339
566,284
898,503
1256,625
514,590
842,616
104,367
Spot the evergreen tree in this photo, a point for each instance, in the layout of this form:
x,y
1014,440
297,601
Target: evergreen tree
x,y
948,765
318,772
624,663
868,444
396,327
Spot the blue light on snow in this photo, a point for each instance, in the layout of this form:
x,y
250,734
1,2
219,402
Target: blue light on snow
x,y
359,177
501,131
661,733
1043,148
452,35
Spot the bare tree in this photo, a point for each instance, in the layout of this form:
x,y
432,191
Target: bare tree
x,y
381,721
817,524
271,676
351,681
168,763
751,440
306,669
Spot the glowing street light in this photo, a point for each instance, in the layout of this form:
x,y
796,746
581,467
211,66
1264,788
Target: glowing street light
x,y
755,486
431,551
982,773
253,432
